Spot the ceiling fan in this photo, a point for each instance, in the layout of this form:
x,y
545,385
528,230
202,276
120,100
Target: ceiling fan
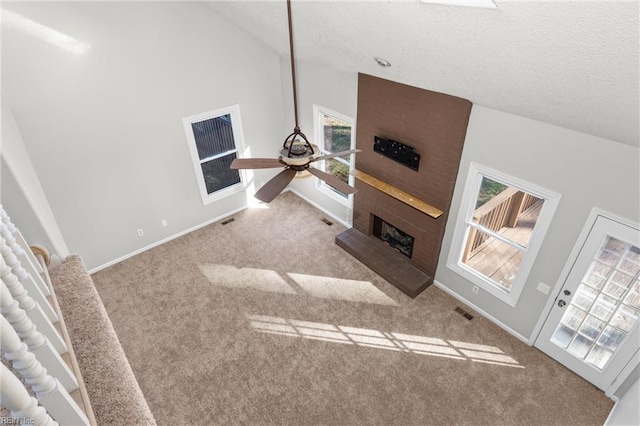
x,y
296,154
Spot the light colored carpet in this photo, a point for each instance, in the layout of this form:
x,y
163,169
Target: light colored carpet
x,y
266,321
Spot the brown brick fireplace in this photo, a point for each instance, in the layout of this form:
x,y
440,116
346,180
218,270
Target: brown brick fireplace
x,y
435,125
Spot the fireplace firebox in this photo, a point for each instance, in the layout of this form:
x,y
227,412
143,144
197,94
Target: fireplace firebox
x,y
392,236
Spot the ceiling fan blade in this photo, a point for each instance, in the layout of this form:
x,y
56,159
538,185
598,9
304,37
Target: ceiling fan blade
x,y
271,189
255,163
336,154
332,180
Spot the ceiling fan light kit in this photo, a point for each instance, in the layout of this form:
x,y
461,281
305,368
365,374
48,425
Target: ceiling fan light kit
x,y
296,154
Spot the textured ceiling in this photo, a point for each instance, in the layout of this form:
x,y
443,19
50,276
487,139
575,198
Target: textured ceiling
x,y
572,64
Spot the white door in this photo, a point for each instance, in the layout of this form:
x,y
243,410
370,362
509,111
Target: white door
x,y
593,326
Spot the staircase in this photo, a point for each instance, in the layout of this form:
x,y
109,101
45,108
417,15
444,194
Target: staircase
x,y
62,360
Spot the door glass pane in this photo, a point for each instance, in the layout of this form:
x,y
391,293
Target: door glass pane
x,y
580,345
614,290
604,307
597,275
633,296
592,327
631,262
598,356
573,317
562,336
611,251
611,338
610,293
624,318
584,297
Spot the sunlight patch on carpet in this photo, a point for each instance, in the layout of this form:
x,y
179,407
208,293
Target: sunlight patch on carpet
x,y
253,278
342,289
399,342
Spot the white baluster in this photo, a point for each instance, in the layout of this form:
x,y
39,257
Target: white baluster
x,y
25,261
34,310
50,393
35,340
4,217
26,279
15,397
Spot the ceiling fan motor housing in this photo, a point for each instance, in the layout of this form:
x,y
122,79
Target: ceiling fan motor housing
x,y
301,155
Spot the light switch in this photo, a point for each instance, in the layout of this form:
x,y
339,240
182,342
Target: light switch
x,y
543,288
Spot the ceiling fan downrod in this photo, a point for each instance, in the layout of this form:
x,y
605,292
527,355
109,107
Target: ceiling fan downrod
x,y
298,149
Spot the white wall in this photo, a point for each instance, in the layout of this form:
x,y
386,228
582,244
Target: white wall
x,y
626,412
335,90
104,128
21,187
586,170
20,211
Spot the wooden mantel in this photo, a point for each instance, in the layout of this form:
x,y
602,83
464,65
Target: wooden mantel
x,y
398,194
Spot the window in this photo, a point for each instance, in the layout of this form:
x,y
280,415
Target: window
x,y
334,134
215,139
500,228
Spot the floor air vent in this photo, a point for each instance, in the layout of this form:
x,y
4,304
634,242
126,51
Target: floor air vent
x,y
327,221
464,313
228,221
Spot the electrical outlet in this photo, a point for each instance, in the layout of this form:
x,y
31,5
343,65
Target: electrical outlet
x,y
475,289
164,222
140,232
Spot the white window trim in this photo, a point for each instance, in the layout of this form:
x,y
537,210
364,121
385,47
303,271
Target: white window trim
x,y
238,137
319,137
460,234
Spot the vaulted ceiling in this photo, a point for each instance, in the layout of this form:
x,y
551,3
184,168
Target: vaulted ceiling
x,y
574,64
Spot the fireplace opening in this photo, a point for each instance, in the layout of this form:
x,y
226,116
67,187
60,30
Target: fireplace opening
x,y
392,236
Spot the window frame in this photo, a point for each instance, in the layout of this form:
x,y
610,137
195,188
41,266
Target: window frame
x,y
318,112
238,137
462,229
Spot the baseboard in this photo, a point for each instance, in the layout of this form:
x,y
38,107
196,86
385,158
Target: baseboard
x,y
165,240
616,400
317,206
482,312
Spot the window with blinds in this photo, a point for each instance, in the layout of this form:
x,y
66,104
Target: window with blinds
x,y
215,139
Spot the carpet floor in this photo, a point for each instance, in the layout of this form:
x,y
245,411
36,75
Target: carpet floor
x,y
265,320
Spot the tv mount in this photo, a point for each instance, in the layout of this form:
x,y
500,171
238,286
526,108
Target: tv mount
x,y
397,151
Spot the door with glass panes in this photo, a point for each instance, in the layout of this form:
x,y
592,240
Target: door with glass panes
x,y
593,326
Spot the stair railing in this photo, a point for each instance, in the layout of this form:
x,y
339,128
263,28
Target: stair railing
x,y
31,339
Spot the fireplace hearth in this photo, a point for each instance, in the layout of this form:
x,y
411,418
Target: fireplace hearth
x,y
393,237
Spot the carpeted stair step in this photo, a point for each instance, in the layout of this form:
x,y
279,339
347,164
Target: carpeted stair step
x,y
113,390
